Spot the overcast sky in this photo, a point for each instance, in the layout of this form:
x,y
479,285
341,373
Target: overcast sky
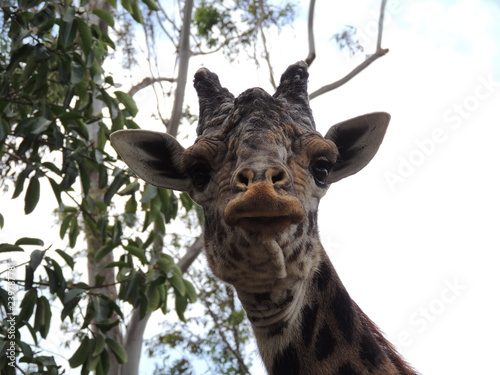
x,y
414,236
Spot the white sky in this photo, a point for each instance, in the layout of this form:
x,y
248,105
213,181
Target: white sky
x,y
420,254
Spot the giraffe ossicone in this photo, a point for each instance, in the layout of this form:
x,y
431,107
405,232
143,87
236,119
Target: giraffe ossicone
x,y
259,169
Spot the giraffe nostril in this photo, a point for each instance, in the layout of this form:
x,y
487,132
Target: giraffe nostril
x,y
243,180
244,177
277,177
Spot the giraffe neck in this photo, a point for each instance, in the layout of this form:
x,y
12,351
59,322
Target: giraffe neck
x,y
303,318
309,324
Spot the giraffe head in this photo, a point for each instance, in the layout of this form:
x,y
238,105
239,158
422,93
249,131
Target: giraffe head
x,y
258,167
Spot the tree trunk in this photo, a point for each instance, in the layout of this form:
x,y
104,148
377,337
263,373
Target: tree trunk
x,y
183,63
94,243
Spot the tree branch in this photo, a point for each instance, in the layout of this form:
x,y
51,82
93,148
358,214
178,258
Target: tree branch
x,y
381,24
310,32
148,81
267,55
221,330
378,53
184,56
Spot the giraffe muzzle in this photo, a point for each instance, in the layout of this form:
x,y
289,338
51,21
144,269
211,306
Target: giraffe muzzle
x,y
261,209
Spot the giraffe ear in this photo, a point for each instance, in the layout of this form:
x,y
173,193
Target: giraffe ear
x,y
358,140
155,157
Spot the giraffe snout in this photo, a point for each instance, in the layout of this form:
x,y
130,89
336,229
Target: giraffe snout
x,y
246,177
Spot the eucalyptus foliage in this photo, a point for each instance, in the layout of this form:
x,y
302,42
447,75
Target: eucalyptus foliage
x,y
51,78
58,107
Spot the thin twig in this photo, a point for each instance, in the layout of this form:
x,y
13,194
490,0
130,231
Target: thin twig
x,y
148,81
378,53
221,330
267,55
310,32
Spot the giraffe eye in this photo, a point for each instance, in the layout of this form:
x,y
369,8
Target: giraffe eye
x,y
320,170
200,176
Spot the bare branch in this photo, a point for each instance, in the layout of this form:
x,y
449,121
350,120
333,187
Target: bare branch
x,y
349,76
381,25
148,81
378,53
267,55
310,32
222,334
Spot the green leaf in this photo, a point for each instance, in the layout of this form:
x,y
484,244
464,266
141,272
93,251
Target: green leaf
x,y
118,263
178,283
131,205
71,300
74,230
84,177
20,182
98,345
32,195
117,233
103,176
165,264
27,306
114,111
85,35
127,5
77,72
4,129
180,306
138,252
67,33
186,201
136,12
67,258
105,16
7,248
118,350
151,5
130,188
29,278
2,222
64,226
190,291
150,192
43,316
29,241
81,354
69,16
57,192
117,183
40,124
101,308
103,251
128,102
36,258
153,298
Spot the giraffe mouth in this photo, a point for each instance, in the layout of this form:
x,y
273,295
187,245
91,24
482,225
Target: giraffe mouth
x,y
263,210
264,223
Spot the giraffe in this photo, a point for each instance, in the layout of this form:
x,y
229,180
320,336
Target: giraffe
x,y
259,169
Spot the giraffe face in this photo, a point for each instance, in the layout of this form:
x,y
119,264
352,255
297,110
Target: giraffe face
x,y
258,163
258,171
